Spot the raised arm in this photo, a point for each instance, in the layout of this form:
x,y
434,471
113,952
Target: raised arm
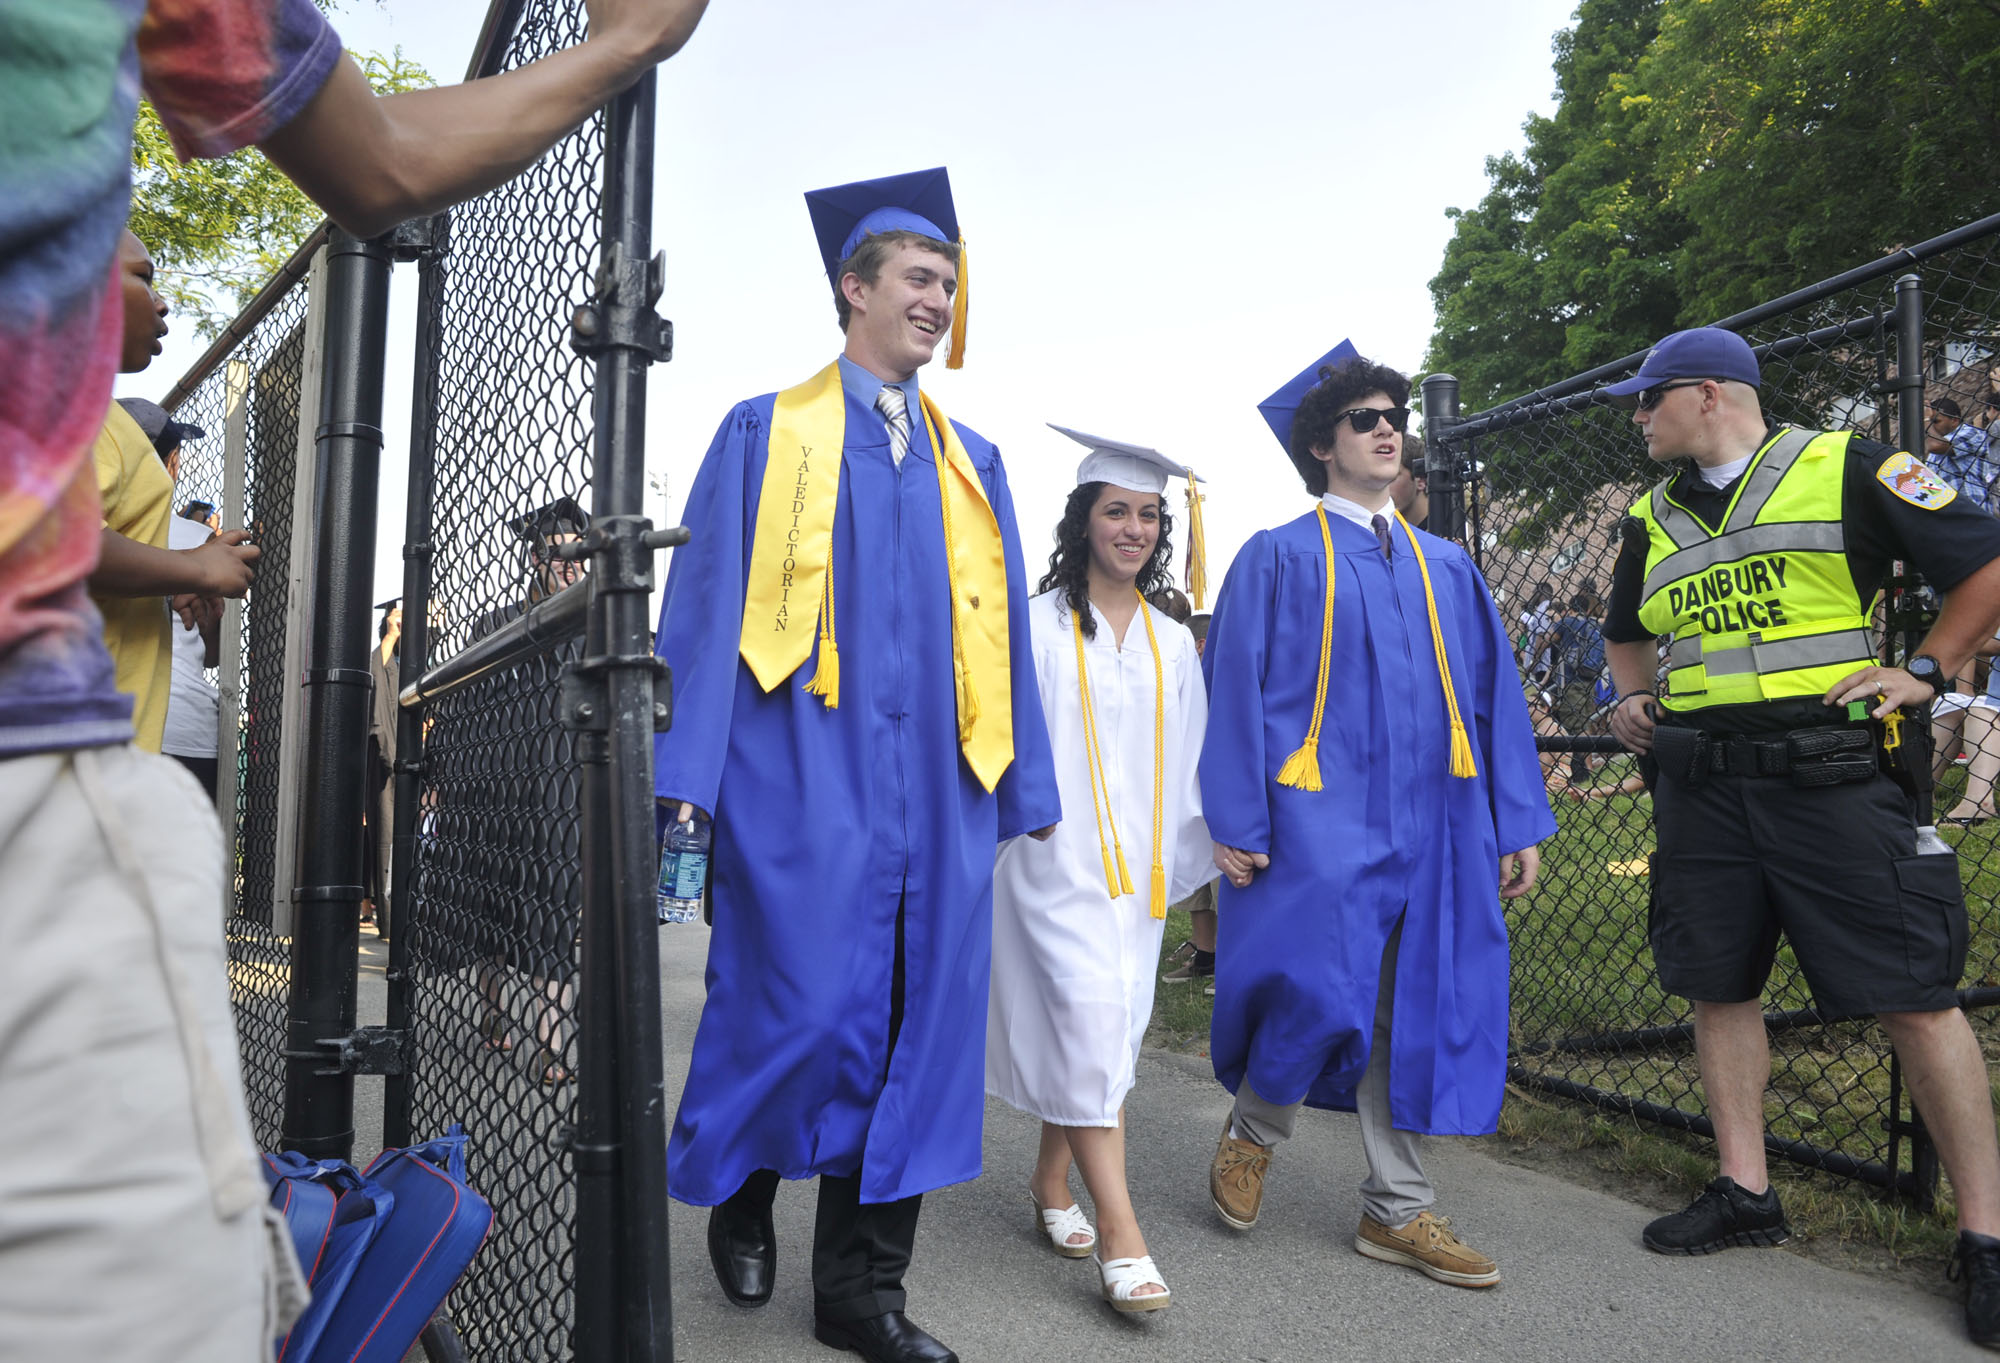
x,y
374,161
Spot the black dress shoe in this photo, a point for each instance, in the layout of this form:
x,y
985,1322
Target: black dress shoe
x,y
887,1338
744,1250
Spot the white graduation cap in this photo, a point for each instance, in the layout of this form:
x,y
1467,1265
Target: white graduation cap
x,y
1132,467
1138,469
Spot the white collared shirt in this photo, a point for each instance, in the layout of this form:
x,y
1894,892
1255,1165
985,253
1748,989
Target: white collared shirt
x,y
1358,513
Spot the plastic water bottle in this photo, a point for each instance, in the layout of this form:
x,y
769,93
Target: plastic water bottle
x,y
683,868
1929,843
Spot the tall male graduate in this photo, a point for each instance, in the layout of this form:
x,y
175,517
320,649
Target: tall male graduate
x,y
1370,780
855,705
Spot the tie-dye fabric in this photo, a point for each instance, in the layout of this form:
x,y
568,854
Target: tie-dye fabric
x,y
223,74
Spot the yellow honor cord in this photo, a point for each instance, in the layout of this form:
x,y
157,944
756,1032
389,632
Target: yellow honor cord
x,y
1117,880
1197,550
1117,874
1461,743
1159,761
954,358
1301,769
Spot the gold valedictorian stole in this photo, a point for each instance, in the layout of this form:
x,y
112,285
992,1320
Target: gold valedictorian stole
x,y
788,601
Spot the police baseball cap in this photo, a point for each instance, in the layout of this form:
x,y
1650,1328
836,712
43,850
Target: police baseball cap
x,y
1701,353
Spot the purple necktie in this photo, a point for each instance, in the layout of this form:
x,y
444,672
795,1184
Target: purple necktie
x,y
1381,524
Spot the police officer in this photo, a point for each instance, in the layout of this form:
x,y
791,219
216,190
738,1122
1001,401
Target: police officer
x,y
1762,558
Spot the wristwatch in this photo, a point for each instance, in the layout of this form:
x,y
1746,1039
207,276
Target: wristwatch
x,y
1925,668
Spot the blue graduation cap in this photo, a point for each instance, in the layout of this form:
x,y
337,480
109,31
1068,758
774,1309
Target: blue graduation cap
x,y
1282,407
917,201
842,215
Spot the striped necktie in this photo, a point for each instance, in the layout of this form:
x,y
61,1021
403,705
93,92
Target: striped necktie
x,y
896,412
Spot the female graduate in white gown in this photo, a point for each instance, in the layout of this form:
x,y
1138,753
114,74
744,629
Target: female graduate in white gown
x,y
1077,920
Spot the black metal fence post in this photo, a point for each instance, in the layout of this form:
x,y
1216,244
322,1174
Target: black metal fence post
x,y
609,698
319,1087
412,657
1909,388
1442,484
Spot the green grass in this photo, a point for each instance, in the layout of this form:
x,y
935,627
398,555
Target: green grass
x,y
1581,968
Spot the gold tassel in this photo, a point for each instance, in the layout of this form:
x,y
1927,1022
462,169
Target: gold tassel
x,y
1110,871
825,681
1301,769
1124,871
1159,890
954,358
1461,750
1197,551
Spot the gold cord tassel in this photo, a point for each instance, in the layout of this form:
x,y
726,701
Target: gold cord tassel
x,y
1461,743
1301,769
954,358
1197,550
825,681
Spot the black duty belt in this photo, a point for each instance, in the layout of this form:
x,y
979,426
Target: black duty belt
x,y
1828,756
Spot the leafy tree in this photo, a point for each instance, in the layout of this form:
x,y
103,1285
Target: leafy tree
x,y
1803,137
1563,263
1706,155
218,229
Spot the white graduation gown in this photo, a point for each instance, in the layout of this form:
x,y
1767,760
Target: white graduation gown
x,y
1073,969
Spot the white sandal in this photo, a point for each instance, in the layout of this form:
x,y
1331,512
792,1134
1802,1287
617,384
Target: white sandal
x,y
1122,1277
1060,1224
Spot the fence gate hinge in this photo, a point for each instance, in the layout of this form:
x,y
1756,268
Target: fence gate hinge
x,y
619,315
369,1050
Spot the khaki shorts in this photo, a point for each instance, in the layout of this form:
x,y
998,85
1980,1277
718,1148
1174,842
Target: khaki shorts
x,y
132,1215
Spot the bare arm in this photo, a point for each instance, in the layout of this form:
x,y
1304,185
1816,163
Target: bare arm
x,y
373,162
221,567
1967,619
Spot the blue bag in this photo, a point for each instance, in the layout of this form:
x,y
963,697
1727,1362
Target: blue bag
x,y
334,1214
434,1227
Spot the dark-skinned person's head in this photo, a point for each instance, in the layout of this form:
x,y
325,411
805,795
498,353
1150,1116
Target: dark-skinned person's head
x,y
145,311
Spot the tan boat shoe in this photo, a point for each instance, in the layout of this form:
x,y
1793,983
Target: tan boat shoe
x,y
1236,1178
1428,1245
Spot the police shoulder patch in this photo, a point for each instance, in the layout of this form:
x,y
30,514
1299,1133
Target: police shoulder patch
x,y
1909,479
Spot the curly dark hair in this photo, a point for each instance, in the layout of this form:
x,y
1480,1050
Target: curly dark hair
x,y
1069,565
1337,391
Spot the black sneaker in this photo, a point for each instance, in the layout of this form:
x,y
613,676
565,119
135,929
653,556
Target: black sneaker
x,y
1724,1215
1976,1259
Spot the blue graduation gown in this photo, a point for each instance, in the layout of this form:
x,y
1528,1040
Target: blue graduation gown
x,y
1392,833
826,821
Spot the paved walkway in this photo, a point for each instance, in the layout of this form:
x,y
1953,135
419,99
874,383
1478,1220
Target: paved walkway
x,y
1575,1282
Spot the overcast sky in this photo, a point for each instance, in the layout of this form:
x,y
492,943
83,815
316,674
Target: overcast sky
x,y
1170,208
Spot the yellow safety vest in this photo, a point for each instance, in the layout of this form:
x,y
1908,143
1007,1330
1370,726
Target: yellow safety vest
x,y
1765,608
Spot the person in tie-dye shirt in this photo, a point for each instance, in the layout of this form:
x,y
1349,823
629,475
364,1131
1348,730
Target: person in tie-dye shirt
x,y
130,1223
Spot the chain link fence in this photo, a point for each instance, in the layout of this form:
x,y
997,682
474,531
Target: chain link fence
x,y
488,944
1546,480
254,399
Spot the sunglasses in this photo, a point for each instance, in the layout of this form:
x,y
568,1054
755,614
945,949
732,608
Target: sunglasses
x,y
1363,419
1649,398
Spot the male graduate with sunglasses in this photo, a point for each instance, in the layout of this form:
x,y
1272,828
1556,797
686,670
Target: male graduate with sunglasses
x,y
1776,736
856,707
1375,793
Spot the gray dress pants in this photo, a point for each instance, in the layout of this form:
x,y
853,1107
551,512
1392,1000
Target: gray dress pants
x,y
1396,1189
